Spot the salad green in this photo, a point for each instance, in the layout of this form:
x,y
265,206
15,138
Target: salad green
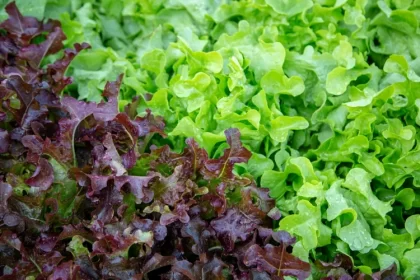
x,y
325,93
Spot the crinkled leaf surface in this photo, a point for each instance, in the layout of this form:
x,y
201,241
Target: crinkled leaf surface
x,y
323,93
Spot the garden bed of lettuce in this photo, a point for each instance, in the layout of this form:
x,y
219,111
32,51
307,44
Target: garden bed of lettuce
x,y
210,139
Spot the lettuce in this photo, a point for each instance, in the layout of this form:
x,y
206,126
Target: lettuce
x,y
85,196
324,94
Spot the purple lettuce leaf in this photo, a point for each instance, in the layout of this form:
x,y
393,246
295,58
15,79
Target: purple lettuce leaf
x,y
22,29
236,154
276,261
57,70
234,226
34,54
43,176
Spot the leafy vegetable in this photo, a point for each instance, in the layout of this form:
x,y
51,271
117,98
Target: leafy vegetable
x,y
323,93
81,199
